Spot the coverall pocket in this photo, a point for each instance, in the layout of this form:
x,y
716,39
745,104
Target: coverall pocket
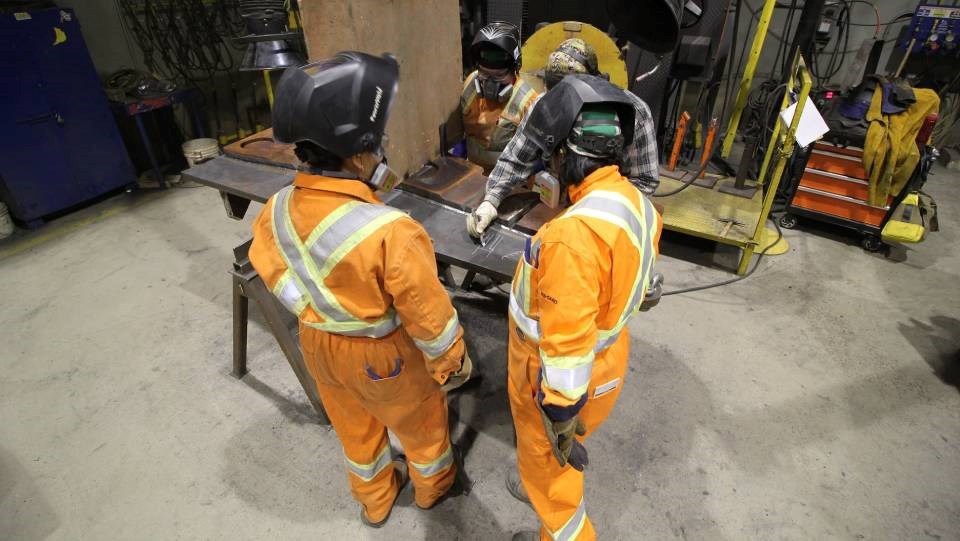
x,y
384,380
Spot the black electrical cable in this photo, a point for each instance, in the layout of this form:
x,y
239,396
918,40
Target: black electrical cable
x,y
732,59
735,279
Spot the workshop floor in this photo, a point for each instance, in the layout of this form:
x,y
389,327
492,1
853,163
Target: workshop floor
x,y
818,399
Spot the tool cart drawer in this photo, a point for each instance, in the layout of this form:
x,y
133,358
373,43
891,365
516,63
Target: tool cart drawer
x,y
834,183
839,206
836,162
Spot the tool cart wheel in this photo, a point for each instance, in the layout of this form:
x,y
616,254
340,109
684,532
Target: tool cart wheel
x,y
871,243
788,221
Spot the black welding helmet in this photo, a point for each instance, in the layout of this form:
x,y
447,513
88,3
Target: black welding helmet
x,y
653,25
552,119
497,46
340,104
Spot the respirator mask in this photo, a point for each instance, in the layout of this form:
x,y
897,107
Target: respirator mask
x,y
494,85
547,183
382,178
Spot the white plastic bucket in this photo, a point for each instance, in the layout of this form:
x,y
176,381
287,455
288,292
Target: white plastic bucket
x,y
197,151
6,224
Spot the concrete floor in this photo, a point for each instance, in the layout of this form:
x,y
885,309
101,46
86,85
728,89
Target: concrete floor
x,y
817,399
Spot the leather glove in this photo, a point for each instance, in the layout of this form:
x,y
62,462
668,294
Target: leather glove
x,y
480,219
458,378
566,448
654,292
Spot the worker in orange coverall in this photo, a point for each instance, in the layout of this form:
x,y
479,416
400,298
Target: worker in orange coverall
x,y
579,281
378,331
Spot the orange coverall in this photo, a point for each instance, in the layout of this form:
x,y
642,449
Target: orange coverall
x,y
582,277
489,125
397,337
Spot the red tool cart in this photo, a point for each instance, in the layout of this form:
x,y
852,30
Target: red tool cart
x,y
832,187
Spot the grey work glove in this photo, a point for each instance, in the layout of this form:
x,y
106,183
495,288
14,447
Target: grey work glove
x,y
566,448
458,378
479,220
654,291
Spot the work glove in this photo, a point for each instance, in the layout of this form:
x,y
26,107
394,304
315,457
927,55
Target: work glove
x,y
566,448
480,219
654,291
458,378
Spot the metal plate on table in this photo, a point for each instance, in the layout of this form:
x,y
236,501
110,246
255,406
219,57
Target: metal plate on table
x,y
538,215
466,194
440,179
252,181
451,242
261,148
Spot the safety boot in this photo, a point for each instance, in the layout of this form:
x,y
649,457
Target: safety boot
x,y
403,476
515,486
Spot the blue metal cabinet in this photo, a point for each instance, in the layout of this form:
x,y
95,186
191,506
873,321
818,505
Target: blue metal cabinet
x,y
59,144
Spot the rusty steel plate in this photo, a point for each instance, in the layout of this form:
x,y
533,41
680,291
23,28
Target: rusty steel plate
x,y
261,148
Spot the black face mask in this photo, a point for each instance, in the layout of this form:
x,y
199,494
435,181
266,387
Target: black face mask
x,y
493,89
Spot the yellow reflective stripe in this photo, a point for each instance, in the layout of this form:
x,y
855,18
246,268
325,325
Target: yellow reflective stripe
x,y
637,224
571,529
526,286
342,235
569,376
370,470
290,296
280,234
357,238
329,220
443,341
469,92
522,94
439,465
567,361
527,324
607,213
309,280
301,263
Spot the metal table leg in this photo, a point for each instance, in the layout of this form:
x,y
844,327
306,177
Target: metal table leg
x,y
241,312
251,286
145,139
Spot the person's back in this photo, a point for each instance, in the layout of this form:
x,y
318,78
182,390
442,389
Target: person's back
x,y
359,248
378,332
614,230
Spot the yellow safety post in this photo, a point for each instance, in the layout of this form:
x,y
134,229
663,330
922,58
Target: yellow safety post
x,y
798,69
747,80
269,86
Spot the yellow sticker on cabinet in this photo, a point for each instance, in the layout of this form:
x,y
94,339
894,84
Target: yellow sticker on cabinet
x,y
22,16
58,36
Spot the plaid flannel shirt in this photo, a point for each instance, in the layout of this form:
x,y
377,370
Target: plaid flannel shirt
x,y
519,159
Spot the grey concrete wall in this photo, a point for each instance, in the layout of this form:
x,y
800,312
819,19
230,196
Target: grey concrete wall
x,y
103,31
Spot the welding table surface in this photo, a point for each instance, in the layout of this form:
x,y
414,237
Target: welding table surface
x,y
445,225
452,244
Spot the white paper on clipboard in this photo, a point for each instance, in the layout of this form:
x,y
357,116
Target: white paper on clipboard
x,y
812,126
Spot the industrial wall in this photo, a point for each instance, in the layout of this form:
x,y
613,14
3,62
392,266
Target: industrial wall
x,y
424,35
861,14
104,34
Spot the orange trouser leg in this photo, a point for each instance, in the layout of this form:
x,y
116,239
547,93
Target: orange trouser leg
x,y
557,492
369,386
